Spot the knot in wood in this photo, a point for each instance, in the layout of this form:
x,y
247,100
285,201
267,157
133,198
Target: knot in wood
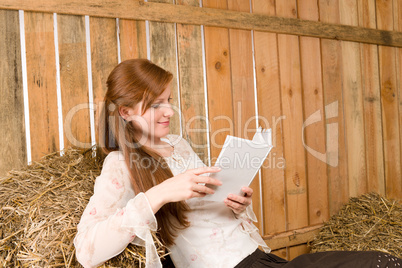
x,y
296,179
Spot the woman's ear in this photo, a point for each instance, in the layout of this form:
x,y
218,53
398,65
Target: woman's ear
x,y
125,112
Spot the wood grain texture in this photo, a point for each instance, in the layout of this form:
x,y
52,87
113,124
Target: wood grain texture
x,y
103,59
292,238
241,59
353,104
313,104
282,253
270,112
133,43
191,73
371,102
162,12
298,250
390,107
333,95
241,54
397,5
292,106
13,153
163,53
41,75
218,67
74,81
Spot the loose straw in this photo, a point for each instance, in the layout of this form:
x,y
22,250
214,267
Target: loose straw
x,y
368,222
41,206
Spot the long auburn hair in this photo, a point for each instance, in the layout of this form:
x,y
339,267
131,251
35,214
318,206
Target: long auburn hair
x,y
131,82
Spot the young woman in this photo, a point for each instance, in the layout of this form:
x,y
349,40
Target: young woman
x,y
153,181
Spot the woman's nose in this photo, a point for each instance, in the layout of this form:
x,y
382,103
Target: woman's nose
x,y
168,110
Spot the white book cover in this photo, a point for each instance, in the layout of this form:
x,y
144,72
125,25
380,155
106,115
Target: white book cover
x,y
240,159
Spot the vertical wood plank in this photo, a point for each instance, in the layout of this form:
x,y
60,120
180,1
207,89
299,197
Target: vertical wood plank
x,y
291,95
372,102
219,86
353,101
13,152
332,85
398,27
192,93
241,58
133,42
296,251
269,112
315,136
41,74
390,107
74,81
163,53
104,58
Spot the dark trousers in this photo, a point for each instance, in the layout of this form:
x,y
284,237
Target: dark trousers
x,y
167,262
330,259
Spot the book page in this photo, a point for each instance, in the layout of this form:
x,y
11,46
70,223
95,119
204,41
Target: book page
x,y
240,160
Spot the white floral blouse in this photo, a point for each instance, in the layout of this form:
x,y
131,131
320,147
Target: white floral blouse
x,y
115,216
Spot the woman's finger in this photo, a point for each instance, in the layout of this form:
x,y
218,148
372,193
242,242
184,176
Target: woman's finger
x,y
202,189
202,170
240,199
208,180
248,192
198,194
236,207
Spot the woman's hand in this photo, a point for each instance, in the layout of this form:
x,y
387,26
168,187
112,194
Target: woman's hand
x,y
239,203
182,187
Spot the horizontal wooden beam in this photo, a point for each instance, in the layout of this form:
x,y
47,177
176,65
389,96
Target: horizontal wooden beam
x,y
139,10
292,238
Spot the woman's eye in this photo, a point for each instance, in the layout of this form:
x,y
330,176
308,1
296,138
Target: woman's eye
x,y
158,104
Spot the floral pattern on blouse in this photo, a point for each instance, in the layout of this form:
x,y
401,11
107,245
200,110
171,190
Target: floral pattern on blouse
x,y
115,216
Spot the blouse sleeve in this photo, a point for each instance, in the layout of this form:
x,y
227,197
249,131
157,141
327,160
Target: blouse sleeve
x,y
114,217
193,155
247,218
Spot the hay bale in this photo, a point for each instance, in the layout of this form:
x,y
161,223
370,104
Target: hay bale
x,y
41,206
368,222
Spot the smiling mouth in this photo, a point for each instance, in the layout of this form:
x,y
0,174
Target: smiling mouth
x,y
164,122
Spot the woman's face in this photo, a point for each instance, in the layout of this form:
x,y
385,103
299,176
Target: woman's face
x,y
155,121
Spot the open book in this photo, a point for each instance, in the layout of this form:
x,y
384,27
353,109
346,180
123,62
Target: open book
x,y
240,160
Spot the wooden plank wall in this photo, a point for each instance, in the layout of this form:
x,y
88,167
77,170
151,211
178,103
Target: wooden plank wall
x,y
334,107
13,142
